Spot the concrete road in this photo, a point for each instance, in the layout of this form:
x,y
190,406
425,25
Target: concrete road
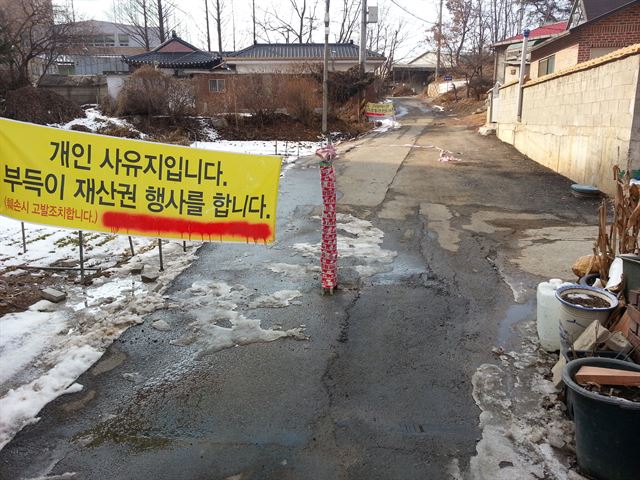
x,y
441,259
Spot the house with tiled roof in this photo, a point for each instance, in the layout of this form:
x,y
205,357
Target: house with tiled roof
x,y
281,57
595,29
176,56
229,81
508,52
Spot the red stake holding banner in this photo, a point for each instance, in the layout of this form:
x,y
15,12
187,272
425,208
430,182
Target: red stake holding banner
x,y
329,246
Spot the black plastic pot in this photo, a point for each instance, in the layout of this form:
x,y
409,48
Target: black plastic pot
x,y
589,280
607,428
570,355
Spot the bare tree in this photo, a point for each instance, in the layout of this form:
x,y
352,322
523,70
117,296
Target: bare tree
x,y
349,18
34,33
298,27
540,12
217,16
146,21
136,17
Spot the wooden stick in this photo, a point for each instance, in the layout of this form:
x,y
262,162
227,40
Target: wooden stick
x,y
608,376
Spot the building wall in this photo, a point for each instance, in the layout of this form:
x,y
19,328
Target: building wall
x,y
579,123
78,89
615,31
565,58
258,91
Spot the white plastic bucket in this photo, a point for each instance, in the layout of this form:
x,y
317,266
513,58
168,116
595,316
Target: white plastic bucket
x,y
575,318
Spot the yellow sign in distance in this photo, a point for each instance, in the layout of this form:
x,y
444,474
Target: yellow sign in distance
x,y
380,110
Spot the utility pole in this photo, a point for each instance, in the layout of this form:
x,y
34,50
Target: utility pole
x,y
363,38
325,75
254,22
439,40
206,14
523,65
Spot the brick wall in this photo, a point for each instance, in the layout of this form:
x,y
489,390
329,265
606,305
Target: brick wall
x,y
581,123
614,31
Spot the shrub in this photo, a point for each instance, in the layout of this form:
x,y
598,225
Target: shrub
x,y
301,98
260,94
152,92
39,105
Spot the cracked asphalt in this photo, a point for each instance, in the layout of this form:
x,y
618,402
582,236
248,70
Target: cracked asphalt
x,y
382,388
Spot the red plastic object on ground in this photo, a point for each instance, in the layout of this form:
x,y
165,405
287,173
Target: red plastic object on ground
x,y
329,246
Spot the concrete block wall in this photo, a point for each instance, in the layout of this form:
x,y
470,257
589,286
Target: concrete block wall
x,y
579,124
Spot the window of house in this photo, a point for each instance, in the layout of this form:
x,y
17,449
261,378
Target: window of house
x,y
66,69
123,40
546,65
217,85
102,41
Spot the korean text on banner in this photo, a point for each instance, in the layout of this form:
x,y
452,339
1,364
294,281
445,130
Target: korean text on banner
x,y
93,182
380,110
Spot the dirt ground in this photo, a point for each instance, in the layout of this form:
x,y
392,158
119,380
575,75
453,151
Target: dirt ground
x,y
281,127
20,290
460,110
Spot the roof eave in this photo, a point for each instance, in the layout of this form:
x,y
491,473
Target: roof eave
x,y
549,41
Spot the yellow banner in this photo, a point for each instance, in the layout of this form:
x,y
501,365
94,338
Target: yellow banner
x,y
380,110
93,182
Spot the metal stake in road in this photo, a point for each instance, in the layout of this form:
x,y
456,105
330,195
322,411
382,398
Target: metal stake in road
x,y
362,60
160,253
24,238
80,241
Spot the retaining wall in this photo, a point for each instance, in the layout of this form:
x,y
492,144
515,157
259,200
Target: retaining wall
x,y
579,122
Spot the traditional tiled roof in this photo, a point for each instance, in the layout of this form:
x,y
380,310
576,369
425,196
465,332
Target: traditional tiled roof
x,y
545,31
175,53
270,51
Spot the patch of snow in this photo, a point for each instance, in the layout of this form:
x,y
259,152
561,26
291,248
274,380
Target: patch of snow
x,y
387,124
63,476
43,345
524,425
290,151
279,299
95,119
359,241
19,407
214,305
24,337
401,111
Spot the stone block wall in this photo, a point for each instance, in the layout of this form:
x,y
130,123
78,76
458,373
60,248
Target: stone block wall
x,y
580,122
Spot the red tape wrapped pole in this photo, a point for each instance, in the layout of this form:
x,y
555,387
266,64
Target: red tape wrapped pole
x,y
329,246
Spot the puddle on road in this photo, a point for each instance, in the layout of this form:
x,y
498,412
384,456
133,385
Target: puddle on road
x,y
514,315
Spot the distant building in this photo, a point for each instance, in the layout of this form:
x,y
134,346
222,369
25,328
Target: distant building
x,y
175,56
288,57
508,52
595,29
101,46
417,73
